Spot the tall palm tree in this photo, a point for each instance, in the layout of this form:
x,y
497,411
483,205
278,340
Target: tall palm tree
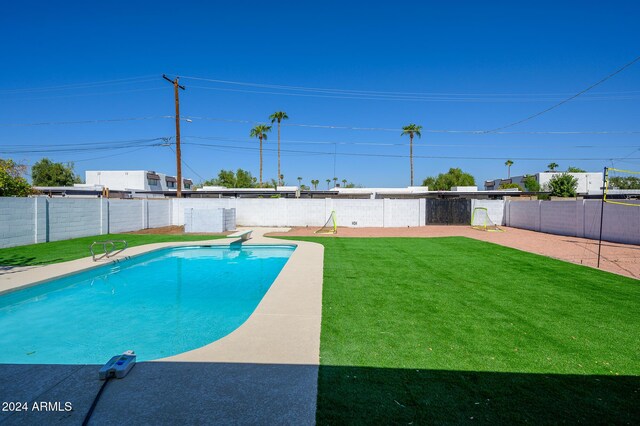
x,y
299,181
553,166
344,183
260,132
328,182
278,116
315,183
335,181
411,130
508,163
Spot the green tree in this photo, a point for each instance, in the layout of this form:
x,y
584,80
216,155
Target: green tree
x,y
444,181
47,173
531,184
411,130
552,166
12,184
260,132
508,163
344,183
572,169
328,182
510,186
624,182
278,116
304,187
315,183
299,181
227,178
563,185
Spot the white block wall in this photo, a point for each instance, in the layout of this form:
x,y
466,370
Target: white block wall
x,y
209,220
311,212
576,218
158,213
17,217
495,209
72,217
126,215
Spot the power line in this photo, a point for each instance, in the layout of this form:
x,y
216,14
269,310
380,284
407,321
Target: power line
x,y
320,126
353,154
387,129
89,94
80,85
427,145
187,165
397,98
619,70
110,120
378,92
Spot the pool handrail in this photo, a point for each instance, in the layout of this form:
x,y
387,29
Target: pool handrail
x,y
108,251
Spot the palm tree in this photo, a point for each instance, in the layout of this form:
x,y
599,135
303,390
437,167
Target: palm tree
x,y
508,163
553,166
328,182
260,132
278,116
299,181
335,181
315,183
344,183
411,130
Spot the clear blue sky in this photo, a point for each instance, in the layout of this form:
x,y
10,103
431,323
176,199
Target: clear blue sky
x,y
471,66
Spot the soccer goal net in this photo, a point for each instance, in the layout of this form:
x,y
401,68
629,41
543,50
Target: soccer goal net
x,y
330,227
621,187
480,220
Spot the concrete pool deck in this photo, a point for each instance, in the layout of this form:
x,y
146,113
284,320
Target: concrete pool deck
x,y
264,372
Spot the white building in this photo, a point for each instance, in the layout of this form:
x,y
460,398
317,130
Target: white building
x,y
588,183
140,180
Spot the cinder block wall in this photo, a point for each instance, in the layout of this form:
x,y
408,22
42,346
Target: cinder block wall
x,y
17,220
577,218
41,219
72,217
495,209
126,215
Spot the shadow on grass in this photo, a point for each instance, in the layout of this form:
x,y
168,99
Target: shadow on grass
x,y
10,261
383,396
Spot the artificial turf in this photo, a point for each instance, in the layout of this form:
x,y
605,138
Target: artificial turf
x,y
62,251
454,330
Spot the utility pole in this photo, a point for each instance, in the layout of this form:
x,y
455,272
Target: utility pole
x,y
177,86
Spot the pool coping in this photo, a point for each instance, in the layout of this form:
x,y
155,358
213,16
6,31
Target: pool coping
x,y
283,329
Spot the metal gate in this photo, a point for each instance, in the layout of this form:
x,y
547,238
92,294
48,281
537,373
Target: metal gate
x,y
448,212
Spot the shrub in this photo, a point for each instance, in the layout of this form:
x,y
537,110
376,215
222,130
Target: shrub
x,y
563,185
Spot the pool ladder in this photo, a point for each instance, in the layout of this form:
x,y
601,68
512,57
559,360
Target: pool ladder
x,y
109,247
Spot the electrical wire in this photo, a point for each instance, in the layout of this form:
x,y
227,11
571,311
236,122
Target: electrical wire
x,y
81,85
377,92
544,111
353,154
398,130
415,145
110,120
403,99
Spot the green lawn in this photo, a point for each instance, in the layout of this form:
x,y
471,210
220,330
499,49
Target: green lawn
x,y
454,330
62,251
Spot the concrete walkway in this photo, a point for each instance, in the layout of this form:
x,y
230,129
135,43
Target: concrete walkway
x,y
265,372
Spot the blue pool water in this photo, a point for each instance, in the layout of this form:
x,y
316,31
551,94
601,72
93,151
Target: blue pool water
x,y
158,304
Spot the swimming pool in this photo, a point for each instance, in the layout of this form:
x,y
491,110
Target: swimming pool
x,y
158,304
